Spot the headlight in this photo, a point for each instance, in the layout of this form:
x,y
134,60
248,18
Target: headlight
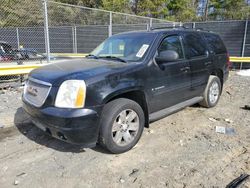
x,y
71,94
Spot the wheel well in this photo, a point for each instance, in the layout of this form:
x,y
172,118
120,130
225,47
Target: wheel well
x,y
218,73
140,98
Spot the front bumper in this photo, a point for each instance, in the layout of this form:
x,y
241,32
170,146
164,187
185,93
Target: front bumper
x,y
76,126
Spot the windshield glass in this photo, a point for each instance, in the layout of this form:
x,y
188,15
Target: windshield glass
x,y
127,47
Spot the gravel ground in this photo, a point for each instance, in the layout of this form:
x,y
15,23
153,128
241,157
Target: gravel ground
x,y
181,150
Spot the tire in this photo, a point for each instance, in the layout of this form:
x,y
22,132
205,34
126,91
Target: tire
x,y
116,125
211,99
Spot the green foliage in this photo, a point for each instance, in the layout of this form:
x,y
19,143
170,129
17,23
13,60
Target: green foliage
x,y
228,9
183,10
25,13
116,5
30,12
75,16
86,3
153,8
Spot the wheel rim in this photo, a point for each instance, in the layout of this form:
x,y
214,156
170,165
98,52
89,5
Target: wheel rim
x,y
125,127
214,92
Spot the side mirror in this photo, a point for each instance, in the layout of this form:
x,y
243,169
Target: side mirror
x,y
167,56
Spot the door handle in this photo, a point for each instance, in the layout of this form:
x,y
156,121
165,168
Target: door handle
x,y
185,69
208,63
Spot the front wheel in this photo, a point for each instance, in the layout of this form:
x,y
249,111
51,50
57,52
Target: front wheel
x,y
212,92
122,124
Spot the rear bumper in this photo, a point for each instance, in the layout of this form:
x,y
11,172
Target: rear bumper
x,y
76,126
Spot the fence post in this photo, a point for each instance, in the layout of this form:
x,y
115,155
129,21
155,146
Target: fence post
x,y
46,30
17,38
193,25
73,40
110,24
75,35
18,47
151,23
244,42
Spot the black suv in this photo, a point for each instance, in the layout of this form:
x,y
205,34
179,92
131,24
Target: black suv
x,y
129,80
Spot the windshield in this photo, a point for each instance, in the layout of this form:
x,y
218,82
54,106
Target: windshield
x,y
125,47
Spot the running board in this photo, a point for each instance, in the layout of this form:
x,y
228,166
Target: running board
x,y
167,111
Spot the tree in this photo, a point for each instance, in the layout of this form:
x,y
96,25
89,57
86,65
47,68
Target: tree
x,y
86,3
117,5
152,8
26,13
183,10
60,15
228,9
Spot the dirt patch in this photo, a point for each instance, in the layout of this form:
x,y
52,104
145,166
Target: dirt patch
x,y
181,150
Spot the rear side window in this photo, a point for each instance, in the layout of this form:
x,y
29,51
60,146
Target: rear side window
x,y
215,43
194,45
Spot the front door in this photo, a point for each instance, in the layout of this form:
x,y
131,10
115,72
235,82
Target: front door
x,y
169,82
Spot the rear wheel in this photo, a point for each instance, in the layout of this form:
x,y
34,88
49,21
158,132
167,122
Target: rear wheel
x,y
212,92
122,124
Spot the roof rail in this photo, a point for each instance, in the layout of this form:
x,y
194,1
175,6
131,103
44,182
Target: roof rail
x,y
168,27
199,29
177,27
202,29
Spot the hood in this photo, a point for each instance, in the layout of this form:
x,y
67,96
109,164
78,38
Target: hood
x,y
82,69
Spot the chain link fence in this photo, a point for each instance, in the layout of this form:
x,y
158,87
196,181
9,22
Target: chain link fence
x,y
234,33
44,31
45,28
19,28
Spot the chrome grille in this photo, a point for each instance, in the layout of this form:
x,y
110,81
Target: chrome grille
x,y
36,91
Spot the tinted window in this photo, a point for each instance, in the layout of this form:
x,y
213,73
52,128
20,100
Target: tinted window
x,y
172,43
215,43
194,45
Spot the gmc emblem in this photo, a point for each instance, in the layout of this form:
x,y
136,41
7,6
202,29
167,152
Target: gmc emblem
x,y
32,91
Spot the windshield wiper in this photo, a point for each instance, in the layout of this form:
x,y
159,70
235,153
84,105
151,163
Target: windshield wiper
x,y
113,57
93,56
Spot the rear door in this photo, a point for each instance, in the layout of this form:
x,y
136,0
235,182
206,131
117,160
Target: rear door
x,y
218,52
198,57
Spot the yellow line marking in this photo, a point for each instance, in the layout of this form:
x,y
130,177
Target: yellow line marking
x,y
17,69
69,54
240,59
25,69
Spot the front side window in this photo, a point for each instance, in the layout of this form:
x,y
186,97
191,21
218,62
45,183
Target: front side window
x,y
128,47
172,43
194,45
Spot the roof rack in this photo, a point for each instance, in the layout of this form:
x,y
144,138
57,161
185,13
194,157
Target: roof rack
x,y
199,29
202,29
169,27
177,27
